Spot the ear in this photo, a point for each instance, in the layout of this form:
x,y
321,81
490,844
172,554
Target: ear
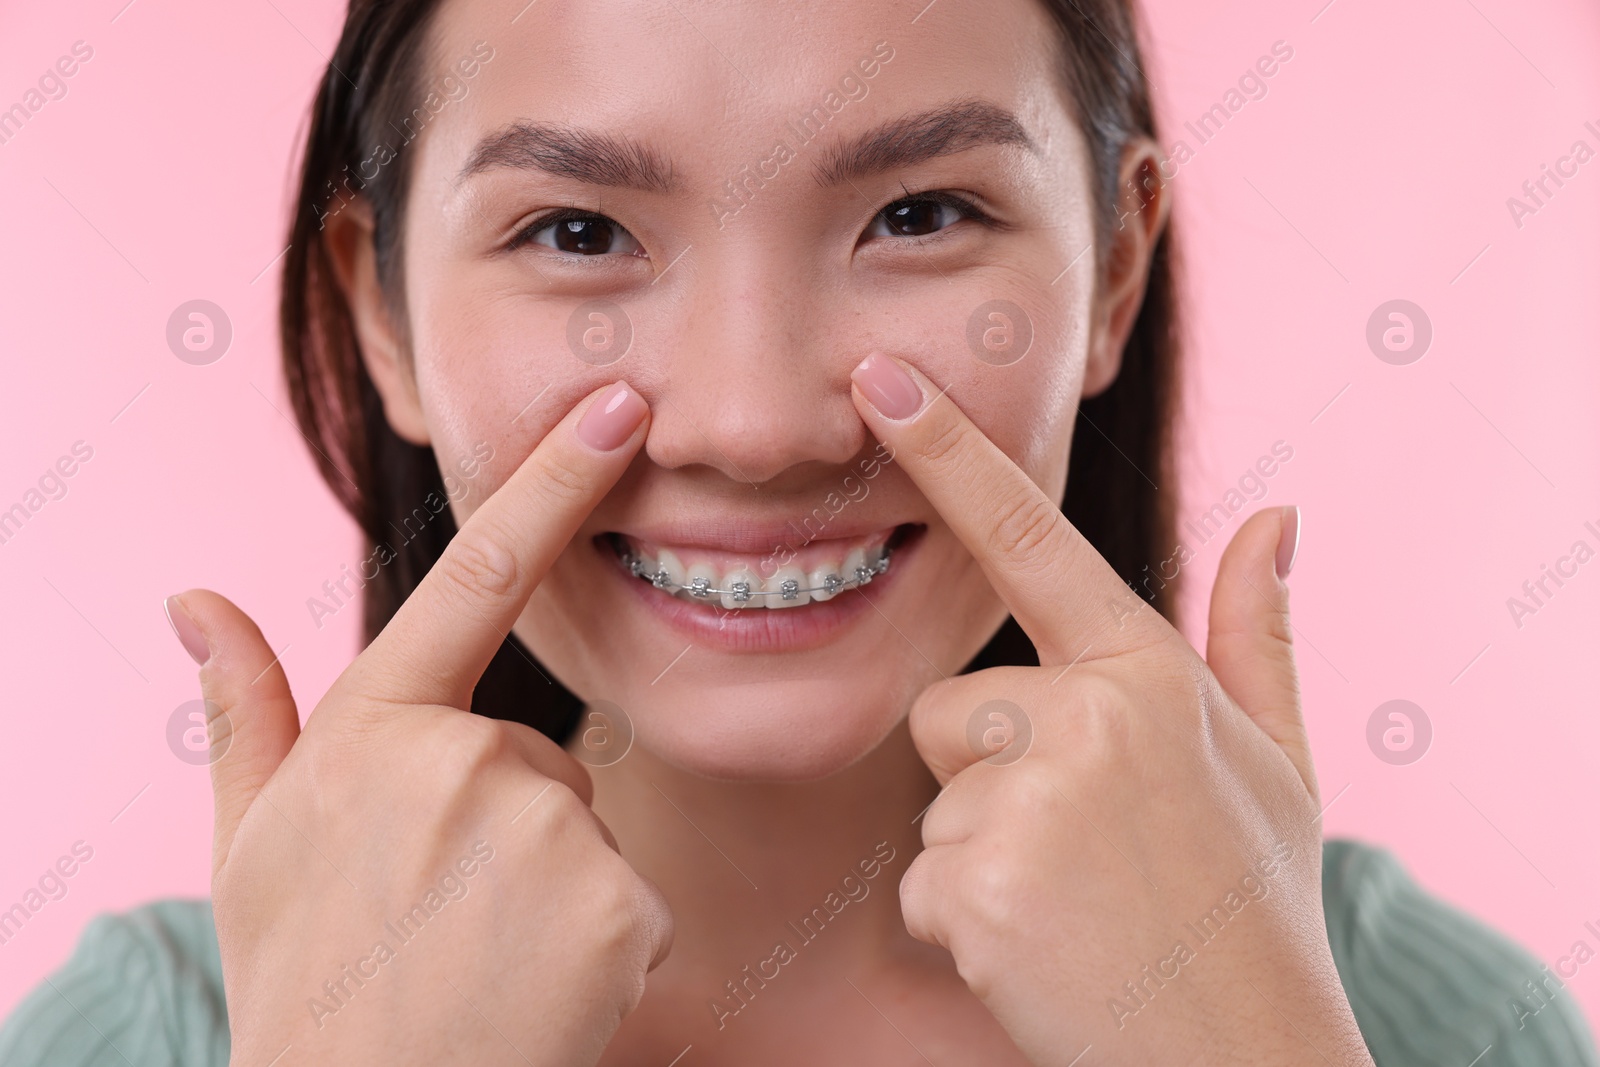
x,y
1143,205
355,265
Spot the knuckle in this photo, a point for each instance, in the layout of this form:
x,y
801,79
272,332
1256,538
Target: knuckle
x,y
612,900
912,893
652,919
350,730
1268,629
945,446
936,728
945,817
464,747
479,566
917,900
997,893
924,714
555,815
1277,633
563,482
1023,792
563,806
1206,706
1024,527
627,914
1098,721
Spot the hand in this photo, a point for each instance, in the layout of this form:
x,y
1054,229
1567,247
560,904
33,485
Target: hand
x,y
403,881
1145,879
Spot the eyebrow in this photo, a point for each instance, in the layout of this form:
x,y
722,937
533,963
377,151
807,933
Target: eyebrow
x,y
605,159
922,136
566,151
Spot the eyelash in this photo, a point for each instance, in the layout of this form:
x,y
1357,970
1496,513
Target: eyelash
x,y
966,208
524,236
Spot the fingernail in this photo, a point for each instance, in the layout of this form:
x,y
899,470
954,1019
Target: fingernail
x,y
612,419
888,387
1288,541
194,642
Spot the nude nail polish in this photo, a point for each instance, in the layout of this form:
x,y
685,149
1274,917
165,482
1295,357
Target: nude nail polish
x,y
1288,541
888,387
189,635
611,420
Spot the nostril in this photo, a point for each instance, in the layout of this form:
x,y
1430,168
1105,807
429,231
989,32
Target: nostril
x,y
754,435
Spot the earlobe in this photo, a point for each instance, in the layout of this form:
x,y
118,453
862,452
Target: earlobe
x,y
350,250
1143,204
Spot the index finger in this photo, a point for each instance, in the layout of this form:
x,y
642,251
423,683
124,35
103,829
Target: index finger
x,y
441,640
1062,592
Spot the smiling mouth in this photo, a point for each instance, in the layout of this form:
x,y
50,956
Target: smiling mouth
x,y
784,578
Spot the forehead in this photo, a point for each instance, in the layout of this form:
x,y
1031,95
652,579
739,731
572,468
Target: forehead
x,y
711,84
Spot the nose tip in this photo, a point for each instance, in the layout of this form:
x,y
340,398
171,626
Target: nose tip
x,y
754,434
756,383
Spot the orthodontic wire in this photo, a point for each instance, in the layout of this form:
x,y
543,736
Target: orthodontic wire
x,y
701,588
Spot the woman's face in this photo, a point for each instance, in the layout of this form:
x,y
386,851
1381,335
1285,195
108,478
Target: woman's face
x,y
742,157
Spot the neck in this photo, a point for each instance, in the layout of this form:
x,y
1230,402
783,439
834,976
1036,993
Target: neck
x,y
745,865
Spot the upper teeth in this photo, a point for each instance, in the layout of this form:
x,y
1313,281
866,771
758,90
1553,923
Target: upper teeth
x,y
739,587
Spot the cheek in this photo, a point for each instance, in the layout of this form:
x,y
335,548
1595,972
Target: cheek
x,y
494,375
1014,365
478,365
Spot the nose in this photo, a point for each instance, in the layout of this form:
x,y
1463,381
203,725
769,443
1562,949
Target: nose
x,y
759,366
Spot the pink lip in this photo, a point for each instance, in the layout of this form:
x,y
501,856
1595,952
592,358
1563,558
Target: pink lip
x,y
766,629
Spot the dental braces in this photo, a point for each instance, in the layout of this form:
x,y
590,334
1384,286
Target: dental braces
x,y
741,592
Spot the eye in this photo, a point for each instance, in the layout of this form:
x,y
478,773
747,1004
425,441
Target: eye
x,y
579,233
921,215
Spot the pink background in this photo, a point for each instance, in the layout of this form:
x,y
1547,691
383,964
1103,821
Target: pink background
x,y
1377,167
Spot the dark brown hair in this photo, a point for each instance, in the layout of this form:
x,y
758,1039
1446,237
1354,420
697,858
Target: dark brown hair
x,y
1119,486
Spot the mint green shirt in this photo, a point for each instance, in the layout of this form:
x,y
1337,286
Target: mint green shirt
x,y
1429,985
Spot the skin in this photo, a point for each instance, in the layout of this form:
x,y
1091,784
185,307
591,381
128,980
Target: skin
x,y
1028,892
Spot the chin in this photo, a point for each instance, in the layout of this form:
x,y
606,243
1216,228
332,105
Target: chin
x,y
787,731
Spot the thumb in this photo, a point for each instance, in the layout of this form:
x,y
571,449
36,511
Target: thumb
x,y
252,718
1250,647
